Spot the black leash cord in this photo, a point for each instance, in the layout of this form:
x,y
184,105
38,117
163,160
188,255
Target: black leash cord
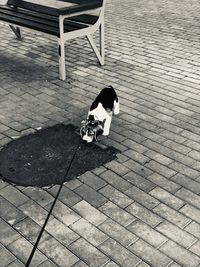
x,y
50,211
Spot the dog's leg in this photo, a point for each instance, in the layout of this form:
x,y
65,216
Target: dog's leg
x,y
107,124
116,107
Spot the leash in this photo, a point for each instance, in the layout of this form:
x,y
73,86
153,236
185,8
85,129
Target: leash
x,y
51,209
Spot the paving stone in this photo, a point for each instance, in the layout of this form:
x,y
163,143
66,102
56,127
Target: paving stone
x,y
158,157
117,232
111,264
187,183
149,254
167,198
88,253
92,180
189,197
118,253
29,229
178,167
176,234
72,184
8,234
172,215
38,195
175,265
139,181
144,214
194,229
16,263
89,212
9,212
90,195
115,180
88,231
180,255
3,184
117,214
138,168
143,264
161,169
132,154
80,264
57,252
13,195
164,182
116,196
134,145
64,214
147,233
196,248
66,196
47,263
6,257
191,212
21,248
61,232
34,211
141,197
117,167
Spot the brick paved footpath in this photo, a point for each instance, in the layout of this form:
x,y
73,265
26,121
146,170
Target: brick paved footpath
x,y
143,208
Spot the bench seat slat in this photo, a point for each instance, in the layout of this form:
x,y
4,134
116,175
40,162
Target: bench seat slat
x,y
83,6
37,21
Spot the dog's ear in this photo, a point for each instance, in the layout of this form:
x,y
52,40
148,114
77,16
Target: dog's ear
x,y
98,132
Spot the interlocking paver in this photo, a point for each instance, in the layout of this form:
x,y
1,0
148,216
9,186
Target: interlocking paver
x,y
139,181
90,195
147,199
147,233
57,252
144,214
117,214
9,212
172,215
179,254
167,198
175,233
141,197
8,234
21,248
6,257
89,212
13,195
118,253
118,232
122,200
91,255
149,254
89,232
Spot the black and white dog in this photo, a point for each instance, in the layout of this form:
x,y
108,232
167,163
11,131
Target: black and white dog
x,y
100,115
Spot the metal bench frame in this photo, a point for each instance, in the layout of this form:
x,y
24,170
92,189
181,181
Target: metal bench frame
x,y
65,36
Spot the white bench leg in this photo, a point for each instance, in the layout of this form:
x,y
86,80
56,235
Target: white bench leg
x,y
99,53
62,72
102,48
17,31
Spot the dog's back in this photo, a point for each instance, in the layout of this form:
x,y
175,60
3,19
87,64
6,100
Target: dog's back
x,y
108,98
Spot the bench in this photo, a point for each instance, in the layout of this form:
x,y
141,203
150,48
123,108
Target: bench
x,y
64,19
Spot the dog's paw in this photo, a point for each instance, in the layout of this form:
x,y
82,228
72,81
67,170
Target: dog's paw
x,y
105,133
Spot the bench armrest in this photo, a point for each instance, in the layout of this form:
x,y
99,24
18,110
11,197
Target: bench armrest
x,y
45,9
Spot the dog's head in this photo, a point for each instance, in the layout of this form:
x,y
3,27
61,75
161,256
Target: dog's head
x,y
91,129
